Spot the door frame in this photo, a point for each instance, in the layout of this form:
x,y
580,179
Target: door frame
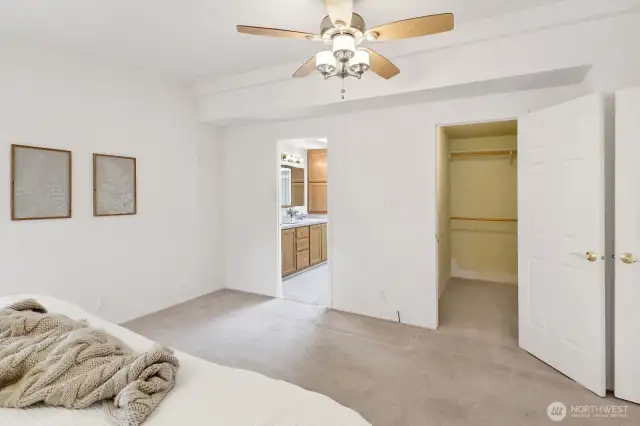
x,y
436,215
279,212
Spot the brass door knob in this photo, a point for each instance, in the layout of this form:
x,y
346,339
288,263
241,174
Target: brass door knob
x,y
590,256
628,258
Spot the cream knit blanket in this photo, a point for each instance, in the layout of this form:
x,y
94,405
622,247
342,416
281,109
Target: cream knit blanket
x,y
51,359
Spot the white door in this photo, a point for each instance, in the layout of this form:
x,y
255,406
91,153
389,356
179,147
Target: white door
x,y
627,270
561,271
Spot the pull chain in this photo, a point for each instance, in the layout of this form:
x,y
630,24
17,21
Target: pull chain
x,y
343,91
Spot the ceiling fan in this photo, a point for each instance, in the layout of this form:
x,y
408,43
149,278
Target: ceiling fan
x,y
345,31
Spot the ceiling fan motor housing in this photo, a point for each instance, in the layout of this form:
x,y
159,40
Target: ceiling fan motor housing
x,y
328,30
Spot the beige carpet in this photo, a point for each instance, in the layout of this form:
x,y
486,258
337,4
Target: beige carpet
x,y
393,374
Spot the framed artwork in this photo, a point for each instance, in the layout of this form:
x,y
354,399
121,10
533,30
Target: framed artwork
x,y
40,183
114,185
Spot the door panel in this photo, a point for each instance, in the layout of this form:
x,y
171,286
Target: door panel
x,y
302,260
627,271
317,198
325,247
561,295
315,242
317,163
288,251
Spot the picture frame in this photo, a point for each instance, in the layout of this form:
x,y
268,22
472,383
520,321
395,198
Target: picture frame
x,y
115,190
41,183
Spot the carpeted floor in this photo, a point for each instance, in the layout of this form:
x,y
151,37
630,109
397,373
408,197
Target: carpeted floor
x,y
470,372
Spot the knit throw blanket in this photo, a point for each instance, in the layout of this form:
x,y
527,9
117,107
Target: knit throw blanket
x,y
51,359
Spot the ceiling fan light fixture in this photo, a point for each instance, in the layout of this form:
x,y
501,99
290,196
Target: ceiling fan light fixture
x,y
371,35
360,62
344,47
325,62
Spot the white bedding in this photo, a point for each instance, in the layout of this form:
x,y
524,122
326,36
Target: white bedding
x,y
205,393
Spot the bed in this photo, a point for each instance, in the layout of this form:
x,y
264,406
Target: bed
x,y
205,393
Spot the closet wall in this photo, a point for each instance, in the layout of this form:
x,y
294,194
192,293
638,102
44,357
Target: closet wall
x,y
444,223
484,187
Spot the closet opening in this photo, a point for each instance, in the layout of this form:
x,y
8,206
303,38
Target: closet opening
x,y
478,230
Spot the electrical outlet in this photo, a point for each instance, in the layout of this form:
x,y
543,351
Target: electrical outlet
x,y
99,302
383,295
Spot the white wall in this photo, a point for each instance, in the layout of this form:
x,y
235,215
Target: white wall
x,y
118,267
382,212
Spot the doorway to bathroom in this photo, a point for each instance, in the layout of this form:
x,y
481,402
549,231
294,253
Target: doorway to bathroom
x,y
304,223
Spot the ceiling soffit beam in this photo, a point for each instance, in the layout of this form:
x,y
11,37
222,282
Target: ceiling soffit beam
x,y
564,13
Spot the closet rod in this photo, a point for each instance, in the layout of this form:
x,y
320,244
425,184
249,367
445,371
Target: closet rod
x,y
485,153
484,219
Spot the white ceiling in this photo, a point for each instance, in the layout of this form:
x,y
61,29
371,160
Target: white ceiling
x,y
186,38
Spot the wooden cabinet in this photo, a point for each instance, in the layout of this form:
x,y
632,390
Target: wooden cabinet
x,y
317,176
317,198
303,247
302,244
302,260
317,165
315,244
288,251
325,253
302,232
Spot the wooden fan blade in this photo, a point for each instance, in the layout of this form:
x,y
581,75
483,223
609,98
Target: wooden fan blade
x,y
340,11
414,27
307,68
381,65
273,32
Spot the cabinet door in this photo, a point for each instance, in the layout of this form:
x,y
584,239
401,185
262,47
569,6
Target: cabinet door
x,y
325,253
302,260
315,250
317,164
317,198
288,251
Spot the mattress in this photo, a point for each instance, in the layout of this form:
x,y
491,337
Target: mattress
x,y
205,393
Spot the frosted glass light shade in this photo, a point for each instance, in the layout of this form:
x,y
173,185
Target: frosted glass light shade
x,y
325,62
344,47
360,61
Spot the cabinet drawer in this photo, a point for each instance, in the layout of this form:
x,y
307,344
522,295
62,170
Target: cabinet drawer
x,y
302,260
302,232
302,244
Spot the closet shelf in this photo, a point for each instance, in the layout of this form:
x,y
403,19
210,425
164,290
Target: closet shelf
x,y
484,219
484,153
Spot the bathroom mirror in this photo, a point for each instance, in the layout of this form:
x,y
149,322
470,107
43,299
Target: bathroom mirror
x,y
291,186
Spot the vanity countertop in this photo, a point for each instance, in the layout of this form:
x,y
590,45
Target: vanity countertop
x,y
309,220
